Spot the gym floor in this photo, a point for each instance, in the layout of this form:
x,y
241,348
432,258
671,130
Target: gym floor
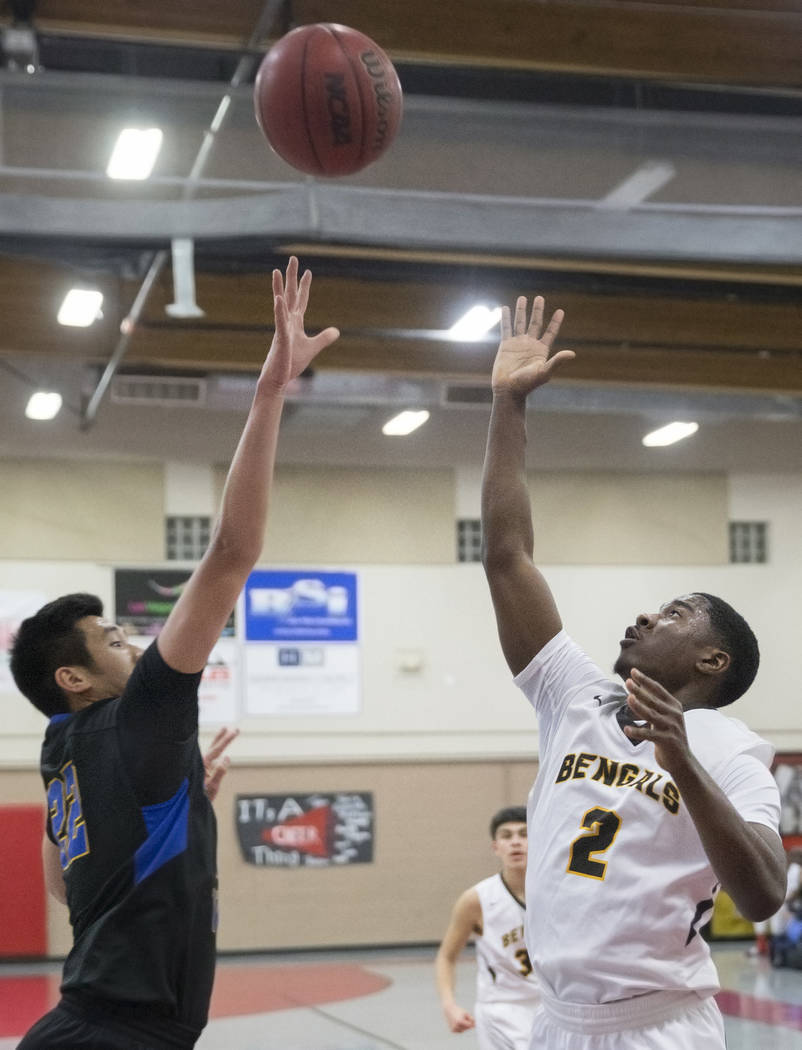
x,y
384,999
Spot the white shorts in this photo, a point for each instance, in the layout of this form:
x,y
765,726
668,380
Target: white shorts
x,y
697,1026
504,1026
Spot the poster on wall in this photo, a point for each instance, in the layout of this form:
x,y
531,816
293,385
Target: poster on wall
x,y
294,831
15,606
787,771
143,599
301,651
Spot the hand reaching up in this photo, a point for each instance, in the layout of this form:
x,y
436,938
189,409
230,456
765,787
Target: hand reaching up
x,y
292,350
522,361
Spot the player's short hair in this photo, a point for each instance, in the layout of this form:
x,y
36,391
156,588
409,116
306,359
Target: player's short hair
x,y
509,815
48,640
737,638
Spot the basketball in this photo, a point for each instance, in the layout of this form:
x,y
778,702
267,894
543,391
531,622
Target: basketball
x,y
328,99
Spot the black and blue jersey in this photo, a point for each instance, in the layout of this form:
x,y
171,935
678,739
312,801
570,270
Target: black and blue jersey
x,y
137,837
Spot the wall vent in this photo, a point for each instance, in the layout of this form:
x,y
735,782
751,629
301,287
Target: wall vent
x,y
749,542
187,391
458,395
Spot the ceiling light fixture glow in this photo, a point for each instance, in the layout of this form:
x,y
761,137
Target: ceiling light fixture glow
x,y
44,404
669,434
135,153
404,423
475,324
80,308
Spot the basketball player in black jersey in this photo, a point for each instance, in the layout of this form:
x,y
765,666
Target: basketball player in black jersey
x,y
131,837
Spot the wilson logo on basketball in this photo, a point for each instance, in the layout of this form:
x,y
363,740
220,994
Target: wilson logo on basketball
x,y
337,105
385,99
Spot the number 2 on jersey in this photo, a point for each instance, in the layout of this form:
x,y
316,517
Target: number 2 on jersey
x,y
603,827
66,816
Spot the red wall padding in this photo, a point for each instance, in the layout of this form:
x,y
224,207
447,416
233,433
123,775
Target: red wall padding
x,y
23,905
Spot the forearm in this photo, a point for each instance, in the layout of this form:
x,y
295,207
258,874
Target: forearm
x,y
240,527
506,511
749,869
445,977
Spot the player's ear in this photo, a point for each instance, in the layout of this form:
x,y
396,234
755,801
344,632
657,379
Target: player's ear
x,y
713,661
72,680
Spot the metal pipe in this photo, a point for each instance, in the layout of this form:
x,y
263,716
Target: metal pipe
x,y
158,260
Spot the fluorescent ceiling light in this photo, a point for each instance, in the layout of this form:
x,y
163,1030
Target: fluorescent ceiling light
x,y
44,404
80,308
670,433
642,183
404,423
135,153
476,323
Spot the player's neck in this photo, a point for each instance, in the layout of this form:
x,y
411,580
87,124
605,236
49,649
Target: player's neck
x,y
515,881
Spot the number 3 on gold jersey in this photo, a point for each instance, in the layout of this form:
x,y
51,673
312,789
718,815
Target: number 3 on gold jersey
x,y
66,816
603,825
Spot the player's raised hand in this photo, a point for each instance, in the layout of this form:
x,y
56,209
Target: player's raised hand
x,y
458,1020
522,360
664,717
292,350
215,763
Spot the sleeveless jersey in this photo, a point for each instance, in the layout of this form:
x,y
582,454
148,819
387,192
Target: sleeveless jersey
x,y
618,884
140,878
504,972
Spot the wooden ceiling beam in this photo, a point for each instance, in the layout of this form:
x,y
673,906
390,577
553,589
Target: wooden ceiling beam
x,y
746,42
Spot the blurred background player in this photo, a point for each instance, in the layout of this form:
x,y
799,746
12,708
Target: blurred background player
x,y
492,912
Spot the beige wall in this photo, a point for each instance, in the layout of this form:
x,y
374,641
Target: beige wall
x,y
629,519
337,515
81,509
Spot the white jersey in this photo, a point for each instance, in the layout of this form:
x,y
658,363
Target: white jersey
x,y
504,972
618,884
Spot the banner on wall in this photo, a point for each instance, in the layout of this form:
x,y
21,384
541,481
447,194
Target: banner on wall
x,y
301,651
15,606
294,831
143,599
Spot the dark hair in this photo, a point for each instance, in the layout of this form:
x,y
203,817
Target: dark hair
x,y
737,638
510,815
48,640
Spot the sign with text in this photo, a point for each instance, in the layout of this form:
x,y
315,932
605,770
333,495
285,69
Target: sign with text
x,y
300,607
293,831
301,644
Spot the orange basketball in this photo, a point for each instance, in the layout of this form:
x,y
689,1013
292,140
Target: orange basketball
x,y
328,99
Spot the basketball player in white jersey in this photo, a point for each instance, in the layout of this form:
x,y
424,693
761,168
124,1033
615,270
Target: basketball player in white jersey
x,y
648,798
493,912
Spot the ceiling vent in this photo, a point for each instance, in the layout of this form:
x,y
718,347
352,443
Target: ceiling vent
x,y
166,391
457,395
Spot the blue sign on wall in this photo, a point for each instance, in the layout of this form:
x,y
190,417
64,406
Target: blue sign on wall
x,y
303,606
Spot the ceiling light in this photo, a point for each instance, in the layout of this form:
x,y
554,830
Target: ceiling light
x,y
642,183
44,404
404,423
80,308
135,153
670,433
476,323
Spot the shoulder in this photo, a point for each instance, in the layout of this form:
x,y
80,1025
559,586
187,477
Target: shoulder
x,y
720,740
562,667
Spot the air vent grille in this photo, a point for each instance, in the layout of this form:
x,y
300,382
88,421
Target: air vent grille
x,y
187,391
460,395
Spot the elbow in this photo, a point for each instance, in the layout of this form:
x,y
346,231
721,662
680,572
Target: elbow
x,y
764,905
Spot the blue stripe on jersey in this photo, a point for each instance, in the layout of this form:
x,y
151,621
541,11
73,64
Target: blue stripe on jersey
x,y
55,719
167,833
